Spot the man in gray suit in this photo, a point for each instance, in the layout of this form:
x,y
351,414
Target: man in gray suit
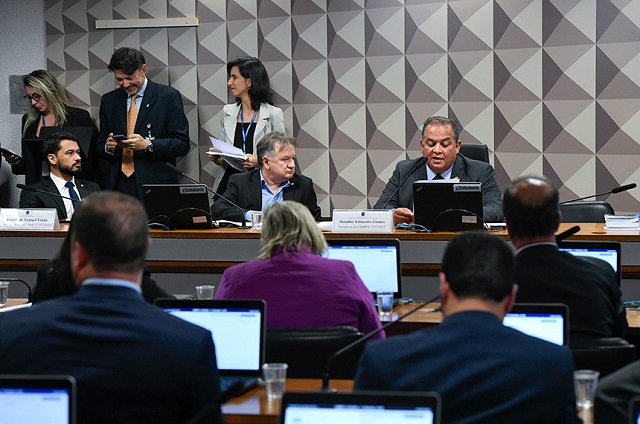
x,y
440,145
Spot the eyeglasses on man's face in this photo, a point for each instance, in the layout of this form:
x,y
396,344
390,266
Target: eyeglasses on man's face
x,y
35,97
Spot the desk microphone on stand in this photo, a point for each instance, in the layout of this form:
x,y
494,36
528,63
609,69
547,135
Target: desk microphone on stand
x,y
612,191
177,171
37,190
420,163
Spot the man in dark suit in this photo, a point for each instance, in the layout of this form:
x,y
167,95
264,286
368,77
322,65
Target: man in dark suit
x,y
440,145
62,151
588,286
484,371
273,181
155,129
133,362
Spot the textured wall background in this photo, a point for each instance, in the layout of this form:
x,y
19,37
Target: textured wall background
x,y
551,86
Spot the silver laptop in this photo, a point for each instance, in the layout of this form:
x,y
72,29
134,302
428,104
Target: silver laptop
x,y
238,328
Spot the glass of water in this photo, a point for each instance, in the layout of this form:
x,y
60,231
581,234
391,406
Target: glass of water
x,y
4,292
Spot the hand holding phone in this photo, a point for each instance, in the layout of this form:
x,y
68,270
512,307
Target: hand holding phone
x,y
119,137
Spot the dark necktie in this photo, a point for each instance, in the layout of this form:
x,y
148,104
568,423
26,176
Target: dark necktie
x,y
72,193
438,177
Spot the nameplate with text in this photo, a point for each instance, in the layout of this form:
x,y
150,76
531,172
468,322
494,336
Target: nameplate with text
x,y
29,219
362,221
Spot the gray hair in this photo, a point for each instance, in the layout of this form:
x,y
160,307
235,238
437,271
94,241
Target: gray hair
x,y
289,225
441,120
267,144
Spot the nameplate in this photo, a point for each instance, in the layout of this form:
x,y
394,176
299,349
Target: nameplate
x,y
29,219
362,221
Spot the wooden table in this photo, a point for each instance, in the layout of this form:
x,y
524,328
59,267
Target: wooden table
x,y
254,408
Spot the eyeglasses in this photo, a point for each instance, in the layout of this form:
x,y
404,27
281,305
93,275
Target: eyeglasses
x,y
33,98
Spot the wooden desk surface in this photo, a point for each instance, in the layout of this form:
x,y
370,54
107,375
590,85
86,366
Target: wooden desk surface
x,y
254,408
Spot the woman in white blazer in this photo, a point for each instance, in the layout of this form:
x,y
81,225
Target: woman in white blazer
x,y
244,122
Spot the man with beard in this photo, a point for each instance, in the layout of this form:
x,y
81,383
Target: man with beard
x,y
63,154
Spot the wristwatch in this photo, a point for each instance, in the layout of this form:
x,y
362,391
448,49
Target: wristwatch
x,y
149,148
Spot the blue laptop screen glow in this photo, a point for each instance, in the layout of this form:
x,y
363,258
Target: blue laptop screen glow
x,y
32,406
608,255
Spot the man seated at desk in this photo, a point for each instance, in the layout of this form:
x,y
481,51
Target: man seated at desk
x,y
274,180
484,371
588,286
62,151
440,145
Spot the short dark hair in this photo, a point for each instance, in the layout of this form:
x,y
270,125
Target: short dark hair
x,y
267,144
252,68
126,60
51,145
441,120
479,265
112,227
530,206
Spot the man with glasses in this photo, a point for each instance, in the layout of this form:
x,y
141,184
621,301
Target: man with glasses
x,y
142,126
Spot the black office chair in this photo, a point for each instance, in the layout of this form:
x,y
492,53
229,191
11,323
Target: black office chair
x,y
307,350
605,355
589,211
475,151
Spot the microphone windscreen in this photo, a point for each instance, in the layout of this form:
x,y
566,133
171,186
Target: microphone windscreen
x,y
623,188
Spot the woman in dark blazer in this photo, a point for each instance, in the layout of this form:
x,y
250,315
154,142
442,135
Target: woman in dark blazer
x,y
50,107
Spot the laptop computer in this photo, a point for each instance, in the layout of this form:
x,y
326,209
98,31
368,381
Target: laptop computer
x,y
361,407
238,328
608,251
184,206
547,321
377,262
35,399
447,205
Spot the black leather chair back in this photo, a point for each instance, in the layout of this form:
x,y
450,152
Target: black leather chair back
x,y
475,151
604,355
307,350
590,211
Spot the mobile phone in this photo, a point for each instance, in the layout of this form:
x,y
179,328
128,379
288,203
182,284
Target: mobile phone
x,y
119,137
6,152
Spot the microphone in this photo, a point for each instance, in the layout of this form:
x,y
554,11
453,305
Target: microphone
x,y
37,190
567,233
177,171
420,163
327,367
612,191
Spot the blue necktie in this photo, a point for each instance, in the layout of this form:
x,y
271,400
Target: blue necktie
x,y
72,193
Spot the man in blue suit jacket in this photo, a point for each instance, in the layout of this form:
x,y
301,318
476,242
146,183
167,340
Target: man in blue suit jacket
x,y
484,372
132,361
62,151
440,145
275,180
160,134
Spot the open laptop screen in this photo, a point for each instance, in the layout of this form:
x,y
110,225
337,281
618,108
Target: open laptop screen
x,y
237,327
547,321
377,261
34,399
608,251
360,407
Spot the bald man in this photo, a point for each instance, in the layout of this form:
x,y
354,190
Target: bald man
x,y
588,286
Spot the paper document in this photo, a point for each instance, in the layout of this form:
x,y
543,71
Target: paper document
x,y
230,154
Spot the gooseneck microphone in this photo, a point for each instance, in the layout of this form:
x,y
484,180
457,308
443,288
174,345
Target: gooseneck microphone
x,y
567,233
612,191
327,367
37,190
177,171
420,163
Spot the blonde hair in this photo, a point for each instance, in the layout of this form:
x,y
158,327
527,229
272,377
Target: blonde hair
x,y
290,226
47,86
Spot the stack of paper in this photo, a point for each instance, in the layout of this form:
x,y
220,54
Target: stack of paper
x,y
622,222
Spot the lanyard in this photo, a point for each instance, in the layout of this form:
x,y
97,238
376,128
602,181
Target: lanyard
x,y
245,133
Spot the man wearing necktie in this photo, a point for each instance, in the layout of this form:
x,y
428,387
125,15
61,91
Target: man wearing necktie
x,y
61,189
142,126
440,145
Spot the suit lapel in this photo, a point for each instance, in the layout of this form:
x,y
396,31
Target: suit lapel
x,y
287,193
51,188
230,122
261,123
121,111
82,189
458,170
148,100
256,193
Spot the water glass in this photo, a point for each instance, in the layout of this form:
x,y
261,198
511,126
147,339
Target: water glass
x,y
385,303
275,375
4,293
205,292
